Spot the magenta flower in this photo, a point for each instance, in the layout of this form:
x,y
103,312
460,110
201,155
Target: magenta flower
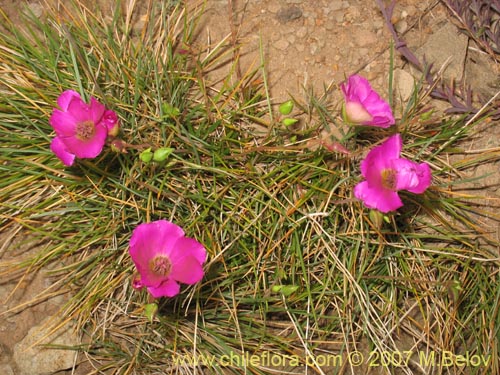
x,y
164,258
81,128
386,173
363,106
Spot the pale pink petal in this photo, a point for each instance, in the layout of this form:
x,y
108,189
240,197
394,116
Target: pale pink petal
x,y
384,200
336,147
356,113
60,150
63,123
66,97
90,148
168,288
362,100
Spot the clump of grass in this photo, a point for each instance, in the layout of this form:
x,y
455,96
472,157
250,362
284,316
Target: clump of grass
x,y
297,267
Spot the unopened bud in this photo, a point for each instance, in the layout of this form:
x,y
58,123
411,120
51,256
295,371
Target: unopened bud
x,y
150,311
162,154
289,121
286,107
146,156
110,119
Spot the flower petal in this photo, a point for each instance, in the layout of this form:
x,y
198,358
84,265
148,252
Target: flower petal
x,y
425,179
110,120
189,246
186,269
356,88
187,258
168,288
63,123
364,106
380,111
66,97
150,240
79,110
356,113
60,150
412,176
384,200
96,110
90,148
380,158
163,238
137,282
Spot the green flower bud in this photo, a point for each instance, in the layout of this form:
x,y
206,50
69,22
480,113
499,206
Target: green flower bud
x,y
289,289
377,218
289,121
146,155
286,107
162,154
276,288
150,311
286,290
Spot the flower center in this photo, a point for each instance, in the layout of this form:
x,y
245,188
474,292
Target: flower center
x,y
389,179
160,265
85,130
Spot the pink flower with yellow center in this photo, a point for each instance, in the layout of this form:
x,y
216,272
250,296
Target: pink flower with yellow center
x,y
363,105
164,257
81,128
386,173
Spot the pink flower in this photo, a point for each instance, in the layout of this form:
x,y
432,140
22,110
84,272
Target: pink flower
x,y
386,173
363,106
164,258
81,128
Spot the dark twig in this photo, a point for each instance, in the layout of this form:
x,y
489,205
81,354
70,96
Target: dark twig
x,y
399,44
460,100
480,20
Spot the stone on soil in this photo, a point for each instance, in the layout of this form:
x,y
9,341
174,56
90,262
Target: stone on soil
x,y
446,48
32,358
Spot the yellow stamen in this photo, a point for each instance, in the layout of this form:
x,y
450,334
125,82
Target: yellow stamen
x,y
389,179
85,130
160,265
